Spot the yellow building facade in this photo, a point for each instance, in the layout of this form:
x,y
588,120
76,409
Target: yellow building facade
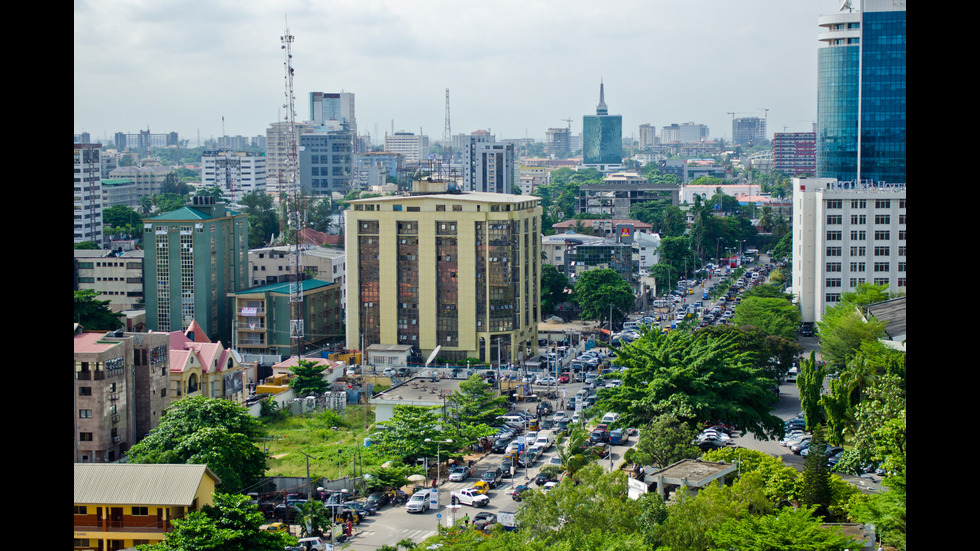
x,y
456,270
120,505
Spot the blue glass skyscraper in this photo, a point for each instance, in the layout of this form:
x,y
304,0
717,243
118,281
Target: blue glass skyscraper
x,y
861,93
602,136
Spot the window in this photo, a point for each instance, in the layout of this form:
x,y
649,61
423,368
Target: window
x,y
835,204
881,281
84,414
141,511
859,204
85,437
859,251
901,282
833,266
440,208
81,510
883,203
883,251
858,266
835,219
859,219
883,235
833,282
901,267
834,236
882,267
84,391
859,235
834,251
901,251
832,297
883,219
855,281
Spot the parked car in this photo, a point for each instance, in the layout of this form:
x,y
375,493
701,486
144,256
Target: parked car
x,y
515,494
378,499
459,473
492,477
418,503
470,496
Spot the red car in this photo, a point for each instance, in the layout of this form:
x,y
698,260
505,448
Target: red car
x,y
564,377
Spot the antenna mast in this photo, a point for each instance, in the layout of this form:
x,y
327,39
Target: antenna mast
x,y
296,329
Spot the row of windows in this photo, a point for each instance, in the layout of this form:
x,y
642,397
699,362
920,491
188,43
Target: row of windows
x,y
863,203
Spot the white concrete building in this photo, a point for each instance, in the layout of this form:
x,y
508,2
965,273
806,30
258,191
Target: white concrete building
x,y
237,173
845,234
414,149
88,193
272,265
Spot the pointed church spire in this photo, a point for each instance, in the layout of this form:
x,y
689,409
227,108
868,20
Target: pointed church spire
x,y
601,109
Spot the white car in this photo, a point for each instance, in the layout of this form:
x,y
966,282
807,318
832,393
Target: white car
x,y
418,503
314,544
470,496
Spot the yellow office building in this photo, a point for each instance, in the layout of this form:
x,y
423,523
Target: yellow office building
x,y
456,270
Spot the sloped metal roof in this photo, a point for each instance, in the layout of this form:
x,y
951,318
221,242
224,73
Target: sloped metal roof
x,y
129,484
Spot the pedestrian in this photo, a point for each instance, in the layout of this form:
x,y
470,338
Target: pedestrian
x,y
466,519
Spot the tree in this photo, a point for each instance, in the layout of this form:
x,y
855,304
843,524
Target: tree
x,y
815,490
262,219
774,316
93,313
314,519
592,503
405,433
679,372
555,289
309,378
476,403
231,524
212,431
789,529
666,440
120,219
809,381
842,331
596,290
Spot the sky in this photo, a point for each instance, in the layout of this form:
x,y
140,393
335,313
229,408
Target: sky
x,y
515,67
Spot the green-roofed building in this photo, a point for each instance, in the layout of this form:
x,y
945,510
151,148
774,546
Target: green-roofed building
x,y
262,317
195,257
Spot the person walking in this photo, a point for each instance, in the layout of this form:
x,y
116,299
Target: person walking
x,y
466,519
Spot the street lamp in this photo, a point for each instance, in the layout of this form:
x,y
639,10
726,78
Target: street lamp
x,y
438,451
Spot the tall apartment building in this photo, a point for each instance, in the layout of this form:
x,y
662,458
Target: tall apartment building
x,y
602,137
237,173
326,162
117,278
195,257
88,193
861,93
845,234
456,270
648,136
795,153
413,149
282,140
149,176
558,141
144,140
748,131
488,166
684,133
263,317
121,389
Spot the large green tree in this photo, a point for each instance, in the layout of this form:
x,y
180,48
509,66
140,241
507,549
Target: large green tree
x,y
773,316
262,219
476,403
212,431
555,289
231,524
596,290
405,433
308,378
665,440
842,330
94,314
678,372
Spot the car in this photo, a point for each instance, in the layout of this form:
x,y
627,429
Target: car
x,y
277,527
600,450
313,544
378,499
483,521
618,437
543,477
481,487
418,503
492,477
363,509
599,435
548,486
564,378
500,445
459,473
471,497
516,493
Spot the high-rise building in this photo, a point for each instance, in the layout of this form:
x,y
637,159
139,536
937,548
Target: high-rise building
x,y
334,110
861,93
460,271
326,162
413,149
488,165
144,140
602,137
558,141
648,136
237,173
748,131
88,193
795,153
687,132
195,257
282,141
845,234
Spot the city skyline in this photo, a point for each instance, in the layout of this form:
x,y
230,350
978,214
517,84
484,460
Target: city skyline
x,y
515,68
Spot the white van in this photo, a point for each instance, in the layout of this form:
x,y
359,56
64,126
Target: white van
x,y
610,418
545,440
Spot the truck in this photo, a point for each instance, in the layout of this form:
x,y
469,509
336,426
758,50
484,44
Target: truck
x,y
471,497
507,519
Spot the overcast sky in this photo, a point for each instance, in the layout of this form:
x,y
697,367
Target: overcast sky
x,y
517,67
